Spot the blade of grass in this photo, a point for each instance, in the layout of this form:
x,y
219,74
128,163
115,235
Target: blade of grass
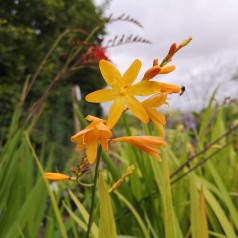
x,y
51,194
83,212
161,173
202,217
22,215
107,226
193,206
224,222
224,194
135,213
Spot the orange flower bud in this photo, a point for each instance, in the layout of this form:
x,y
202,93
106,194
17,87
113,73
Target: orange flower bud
x,y
167,69
155,62
56,176
172,49
152,72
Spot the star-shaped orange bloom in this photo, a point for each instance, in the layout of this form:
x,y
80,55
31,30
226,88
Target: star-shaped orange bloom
x,y
122,92
89,138
148,144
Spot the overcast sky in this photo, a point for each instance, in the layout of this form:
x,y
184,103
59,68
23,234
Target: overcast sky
x,y
211,57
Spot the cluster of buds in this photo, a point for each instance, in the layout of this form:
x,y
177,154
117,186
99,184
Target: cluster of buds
x,y
118,183
81,168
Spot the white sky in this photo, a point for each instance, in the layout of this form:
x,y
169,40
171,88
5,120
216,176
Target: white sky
x,y
210,58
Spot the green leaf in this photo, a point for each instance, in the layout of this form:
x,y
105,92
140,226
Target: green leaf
x,y
224,194
58,215
135,213
84,213
194,204
217,209
202,217
206,117
161,172
107,226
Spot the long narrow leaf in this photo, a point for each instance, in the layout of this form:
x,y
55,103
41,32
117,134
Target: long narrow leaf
x,y
224,222
107,226
84,213
52,197
135,213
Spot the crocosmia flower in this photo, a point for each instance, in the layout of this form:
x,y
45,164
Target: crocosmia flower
x,y
122,91
89,138
148,144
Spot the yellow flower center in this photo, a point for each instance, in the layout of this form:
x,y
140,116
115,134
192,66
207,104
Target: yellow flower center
x,y
123,91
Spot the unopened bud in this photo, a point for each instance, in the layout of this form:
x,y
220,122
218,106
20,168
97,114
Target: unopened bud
x,y
172,49
167,69
152,72
155,62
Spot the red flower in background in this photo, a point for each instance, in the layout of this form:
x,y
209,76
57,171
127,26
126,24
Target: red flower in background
x,y
94,54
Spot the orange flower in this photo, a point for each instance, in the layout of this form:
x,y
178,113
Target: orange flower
x,y
148,144
56,176
96,132
123,91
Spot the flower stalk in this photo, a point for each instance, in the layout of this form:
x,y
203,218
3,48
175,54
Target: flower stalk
x,y
94,190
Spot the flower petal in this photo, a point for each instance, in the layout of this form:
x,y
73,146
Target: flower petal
x,y
131,74
167,69
104,130
156,100
91,150
152,72
78,136
148,144
104,142
110,74
93,118
137,109
143,88
102,95
169,88
156,115
115,111
159,127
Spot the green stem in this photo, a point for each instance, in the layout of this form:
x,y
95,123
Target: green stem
x,y
94,190
128,130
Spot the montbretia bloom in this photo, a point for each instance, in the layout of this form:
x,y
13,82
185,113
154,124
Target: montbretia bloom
x,y
123,91
148,144
94,134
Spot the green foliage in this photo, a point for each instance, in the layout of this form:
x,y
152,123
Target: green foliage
x,y
21,207
181,209
107,226
27,31
157,200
